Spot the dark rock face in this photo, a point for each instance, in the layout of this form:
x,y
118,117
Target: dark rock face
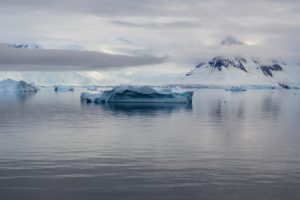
x,y
285,86
219,62
267,69
26,46
200,64
188,74
239,62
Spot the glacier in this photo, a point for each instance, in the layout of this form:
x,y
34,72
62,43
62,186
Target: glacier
x,y
137,94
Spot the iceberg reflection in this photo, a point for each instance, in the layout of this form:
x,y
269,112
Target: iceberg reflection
x,y
141,108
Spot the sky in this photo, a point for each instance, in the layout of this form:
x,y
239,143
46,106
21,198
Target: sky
x,y
160,35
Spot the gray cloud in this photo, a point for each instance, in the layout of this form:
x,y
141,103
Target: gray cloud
x,y
185,8
158,25
43,59
184,30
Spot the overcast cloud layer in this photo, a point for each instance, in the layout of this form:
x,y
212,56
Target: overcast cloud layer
x,y
57,60
147,30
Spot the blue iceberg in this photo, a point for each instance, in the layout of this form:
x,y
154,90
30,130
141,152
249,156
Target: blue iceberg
x,y
137,94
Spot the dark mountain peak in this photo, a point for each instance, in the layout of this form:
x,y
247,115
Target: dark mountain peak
x,y
230,40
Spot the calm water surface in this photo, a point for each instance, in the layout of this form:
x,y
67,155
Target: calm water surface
x,y
225,146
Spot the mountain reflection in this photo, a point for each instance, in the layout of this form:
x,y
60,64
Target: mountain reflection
x,y
270,106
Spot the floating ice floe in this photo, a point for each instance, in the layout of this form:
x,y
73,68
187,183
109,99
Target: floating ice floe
x,y
137,94
9,85
236,89
63,89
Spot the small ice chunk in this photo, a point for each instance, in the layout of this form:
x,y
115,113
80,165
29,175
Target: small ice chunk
x,y
63,89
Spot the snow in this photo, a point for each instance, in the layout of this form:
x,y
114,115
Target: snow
x,y
9,85
63,89
137,94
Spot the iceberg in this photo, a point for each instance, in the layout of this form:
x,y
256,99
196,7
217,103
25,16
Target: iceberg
x,y
88,97
137,94
63,89
10,85
170,88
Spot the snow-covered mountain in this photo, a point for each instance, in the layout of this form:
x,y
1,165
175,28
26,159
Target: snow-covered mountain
x,y
243,70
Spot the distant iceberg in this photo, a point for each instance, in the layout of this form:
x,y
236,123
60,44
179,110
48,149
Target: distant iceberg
x,y
236,89
63,89
92,88
9,85
137,94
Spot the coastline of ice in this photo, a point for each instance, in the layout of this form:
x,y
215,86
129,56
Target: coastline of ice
x,y
207,86
137,94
